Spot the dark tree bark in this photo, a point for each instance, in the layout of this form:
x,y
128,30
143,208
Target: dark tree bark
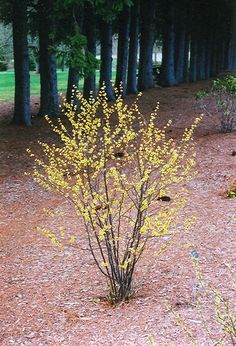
x,y
227,44
21,64
208,57
210,45
147,16
193,44
122,54
47,61
232,45
180,54
186,57
222,35
72,85
90,33
106,58
73,73
221,55
168,46
181,41
187,43
229,54
132,87
216,29
201,57
228,28
213,68
193,58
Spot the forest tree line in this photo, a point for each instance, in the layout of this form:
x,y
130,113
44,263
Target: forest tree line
x,y
197,38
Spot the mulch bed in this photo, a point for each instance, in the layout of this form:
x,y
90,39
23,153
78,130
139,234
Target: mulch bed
x,y
54,297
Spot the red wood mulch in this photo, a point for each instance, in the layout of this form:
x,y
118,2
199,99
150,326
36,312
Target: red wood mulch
x,y
50,297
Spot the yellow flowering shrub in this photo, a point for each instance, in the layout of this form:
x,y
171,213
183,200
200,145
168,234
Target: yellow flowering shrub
x,y
122,174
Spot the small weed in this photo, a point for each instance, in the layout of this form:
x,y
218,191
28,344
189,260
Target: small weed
x,y
223,318
231,191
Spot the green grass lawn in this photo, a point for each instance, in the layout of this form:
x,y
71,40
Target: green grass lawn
x,y
7,83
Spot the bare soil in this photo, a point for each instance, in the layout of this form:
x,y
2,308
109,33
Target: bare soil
x,y
51,297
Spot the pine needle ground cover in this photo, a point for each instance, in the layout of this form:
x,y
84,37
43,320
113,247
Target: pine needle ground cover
x,y
56,297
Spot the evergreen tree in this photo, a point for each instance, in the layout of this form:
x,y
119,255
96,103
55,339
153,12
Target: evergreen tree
x,y
16,12
47,60
123,43
148,17
168,77
21,64
132,87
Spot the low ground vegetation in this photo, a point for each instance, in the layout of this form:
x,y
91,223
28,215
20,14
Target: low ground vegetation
x,y
223,93
221,313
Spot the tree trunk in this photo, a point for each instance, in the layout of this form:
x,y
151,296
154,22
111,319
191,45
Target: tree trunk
x,y
229,54
73,73
213,69
221,55
90,33
106,58
132,87
122,54
186,57
181,40
168,47
201,57
187,43
208,57
148,15
180,54
216,34
21,64
47,62
72,85
233,36
193,58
